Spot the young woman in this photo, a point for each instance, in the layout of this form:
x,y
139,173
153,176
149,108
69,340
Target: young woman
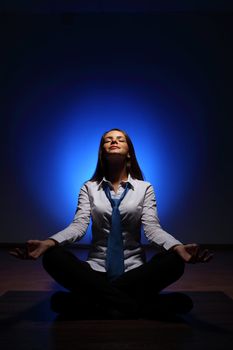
x,y
116,276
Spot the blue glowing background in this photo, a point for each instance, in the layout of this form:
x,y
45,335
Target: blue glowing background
x,y
56,158
72,78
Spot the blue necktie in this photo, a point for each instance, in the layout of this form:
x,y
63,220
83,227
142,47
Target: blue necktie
x,y
115,251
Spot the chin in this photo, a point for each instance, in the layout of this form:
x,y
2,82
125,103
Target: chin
x,y
115,155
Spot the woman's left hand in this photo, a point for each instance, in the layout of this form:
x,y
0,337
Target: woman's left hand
x,y
191,253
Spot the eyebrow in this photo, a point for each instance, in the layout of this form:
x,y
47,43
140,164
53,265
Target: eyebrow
x,y
118,137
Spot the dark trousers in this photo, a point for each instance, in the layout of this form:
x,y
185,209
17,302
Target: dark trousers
x,y
129,292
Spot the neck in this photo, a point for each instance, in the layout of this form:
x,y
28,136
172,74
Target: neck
x,y
116,172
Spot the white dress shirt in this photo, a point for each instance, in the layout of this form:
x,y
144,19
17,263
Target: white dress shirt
x,y
136,209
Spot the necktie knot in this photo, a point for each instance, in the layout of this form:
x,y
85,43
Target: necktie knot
x,y
115,203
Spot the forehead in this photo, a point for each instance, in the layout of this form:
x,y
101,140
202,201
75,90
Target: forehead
x,y
114,133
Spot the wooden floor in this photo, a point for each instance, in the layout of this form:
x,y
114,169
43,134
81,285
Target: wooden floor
x,y
28,323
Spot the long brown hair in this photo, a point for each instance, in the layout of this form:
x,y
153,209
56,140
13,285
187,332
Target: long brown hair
x,y
132,166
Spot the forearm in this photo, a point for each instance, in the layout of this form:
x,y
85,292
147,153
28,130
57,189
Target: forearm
x,y
161,238
69,235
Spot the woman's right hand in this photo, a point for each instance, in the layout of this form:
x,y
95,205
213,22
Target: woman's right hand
x,y
33,249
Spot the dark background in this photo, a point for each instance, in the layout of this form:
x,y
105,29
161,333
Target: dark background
x,y
186,46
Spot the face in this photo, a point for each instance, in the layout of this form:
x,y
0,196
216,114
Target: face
x,y
115,143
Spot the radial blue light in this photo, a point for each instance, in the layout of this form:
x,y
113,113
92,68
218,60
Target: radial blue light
x,y
58,155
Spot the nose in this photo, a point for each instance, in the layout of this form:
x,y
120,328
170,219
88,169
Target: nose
x,y
114,141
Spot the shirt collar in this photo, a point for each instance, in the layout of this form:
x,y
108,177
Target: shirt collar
x,y
129,180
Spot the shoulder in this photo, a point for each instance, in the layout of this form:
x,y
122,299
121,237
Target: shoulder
x,y
141,183
89,185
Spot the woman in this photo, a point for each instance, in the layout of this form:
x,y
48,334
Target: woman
x,y
116,276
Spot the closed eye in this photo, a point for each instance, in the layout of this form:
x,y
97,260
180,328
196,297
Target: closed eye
x,y
109,140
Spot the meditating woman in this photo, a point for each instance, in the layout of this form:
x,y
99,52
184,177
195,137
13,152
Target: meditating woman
x,y
116,280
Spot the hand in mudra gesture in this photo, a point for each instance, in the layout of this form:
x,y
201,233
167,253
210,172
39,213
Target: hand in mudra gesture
x,y
33,249
192,253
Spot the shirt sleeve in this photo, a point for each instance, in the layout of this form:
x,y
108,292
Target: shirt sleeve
x,y
150,222
77,228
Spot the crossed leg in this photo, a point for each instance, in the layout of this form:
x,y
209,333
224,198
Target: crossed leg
x,y
133,291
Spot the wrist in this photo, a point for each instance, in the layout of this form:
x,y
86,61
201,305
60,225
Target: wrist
x,y
51,242
174,248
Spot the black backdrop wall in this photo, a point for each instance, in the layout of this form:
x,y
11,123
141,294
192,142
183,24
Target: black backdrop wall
x,y
195,48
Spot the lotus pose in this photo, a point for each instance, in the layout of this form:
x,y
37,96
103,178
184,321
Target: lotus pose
x,y
116,279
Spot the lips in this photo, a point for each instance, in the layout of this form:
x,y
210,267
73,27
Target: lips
x,y
112,147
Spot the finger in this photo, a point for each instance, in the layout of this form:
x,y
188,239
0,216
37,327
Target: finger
x,y
17,253
11,252
35,254
203,254
208,258
187,257
192,259
182,252
194,254
192,249
32,241
32,257
23,252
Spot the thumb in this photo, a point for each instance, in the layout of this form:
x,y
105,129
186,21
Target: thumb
x,y
34,254
33,241
184,254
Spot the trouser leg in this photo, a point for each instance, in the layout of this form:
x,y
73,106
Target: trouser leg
x,y
156,274
145,282
78,277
